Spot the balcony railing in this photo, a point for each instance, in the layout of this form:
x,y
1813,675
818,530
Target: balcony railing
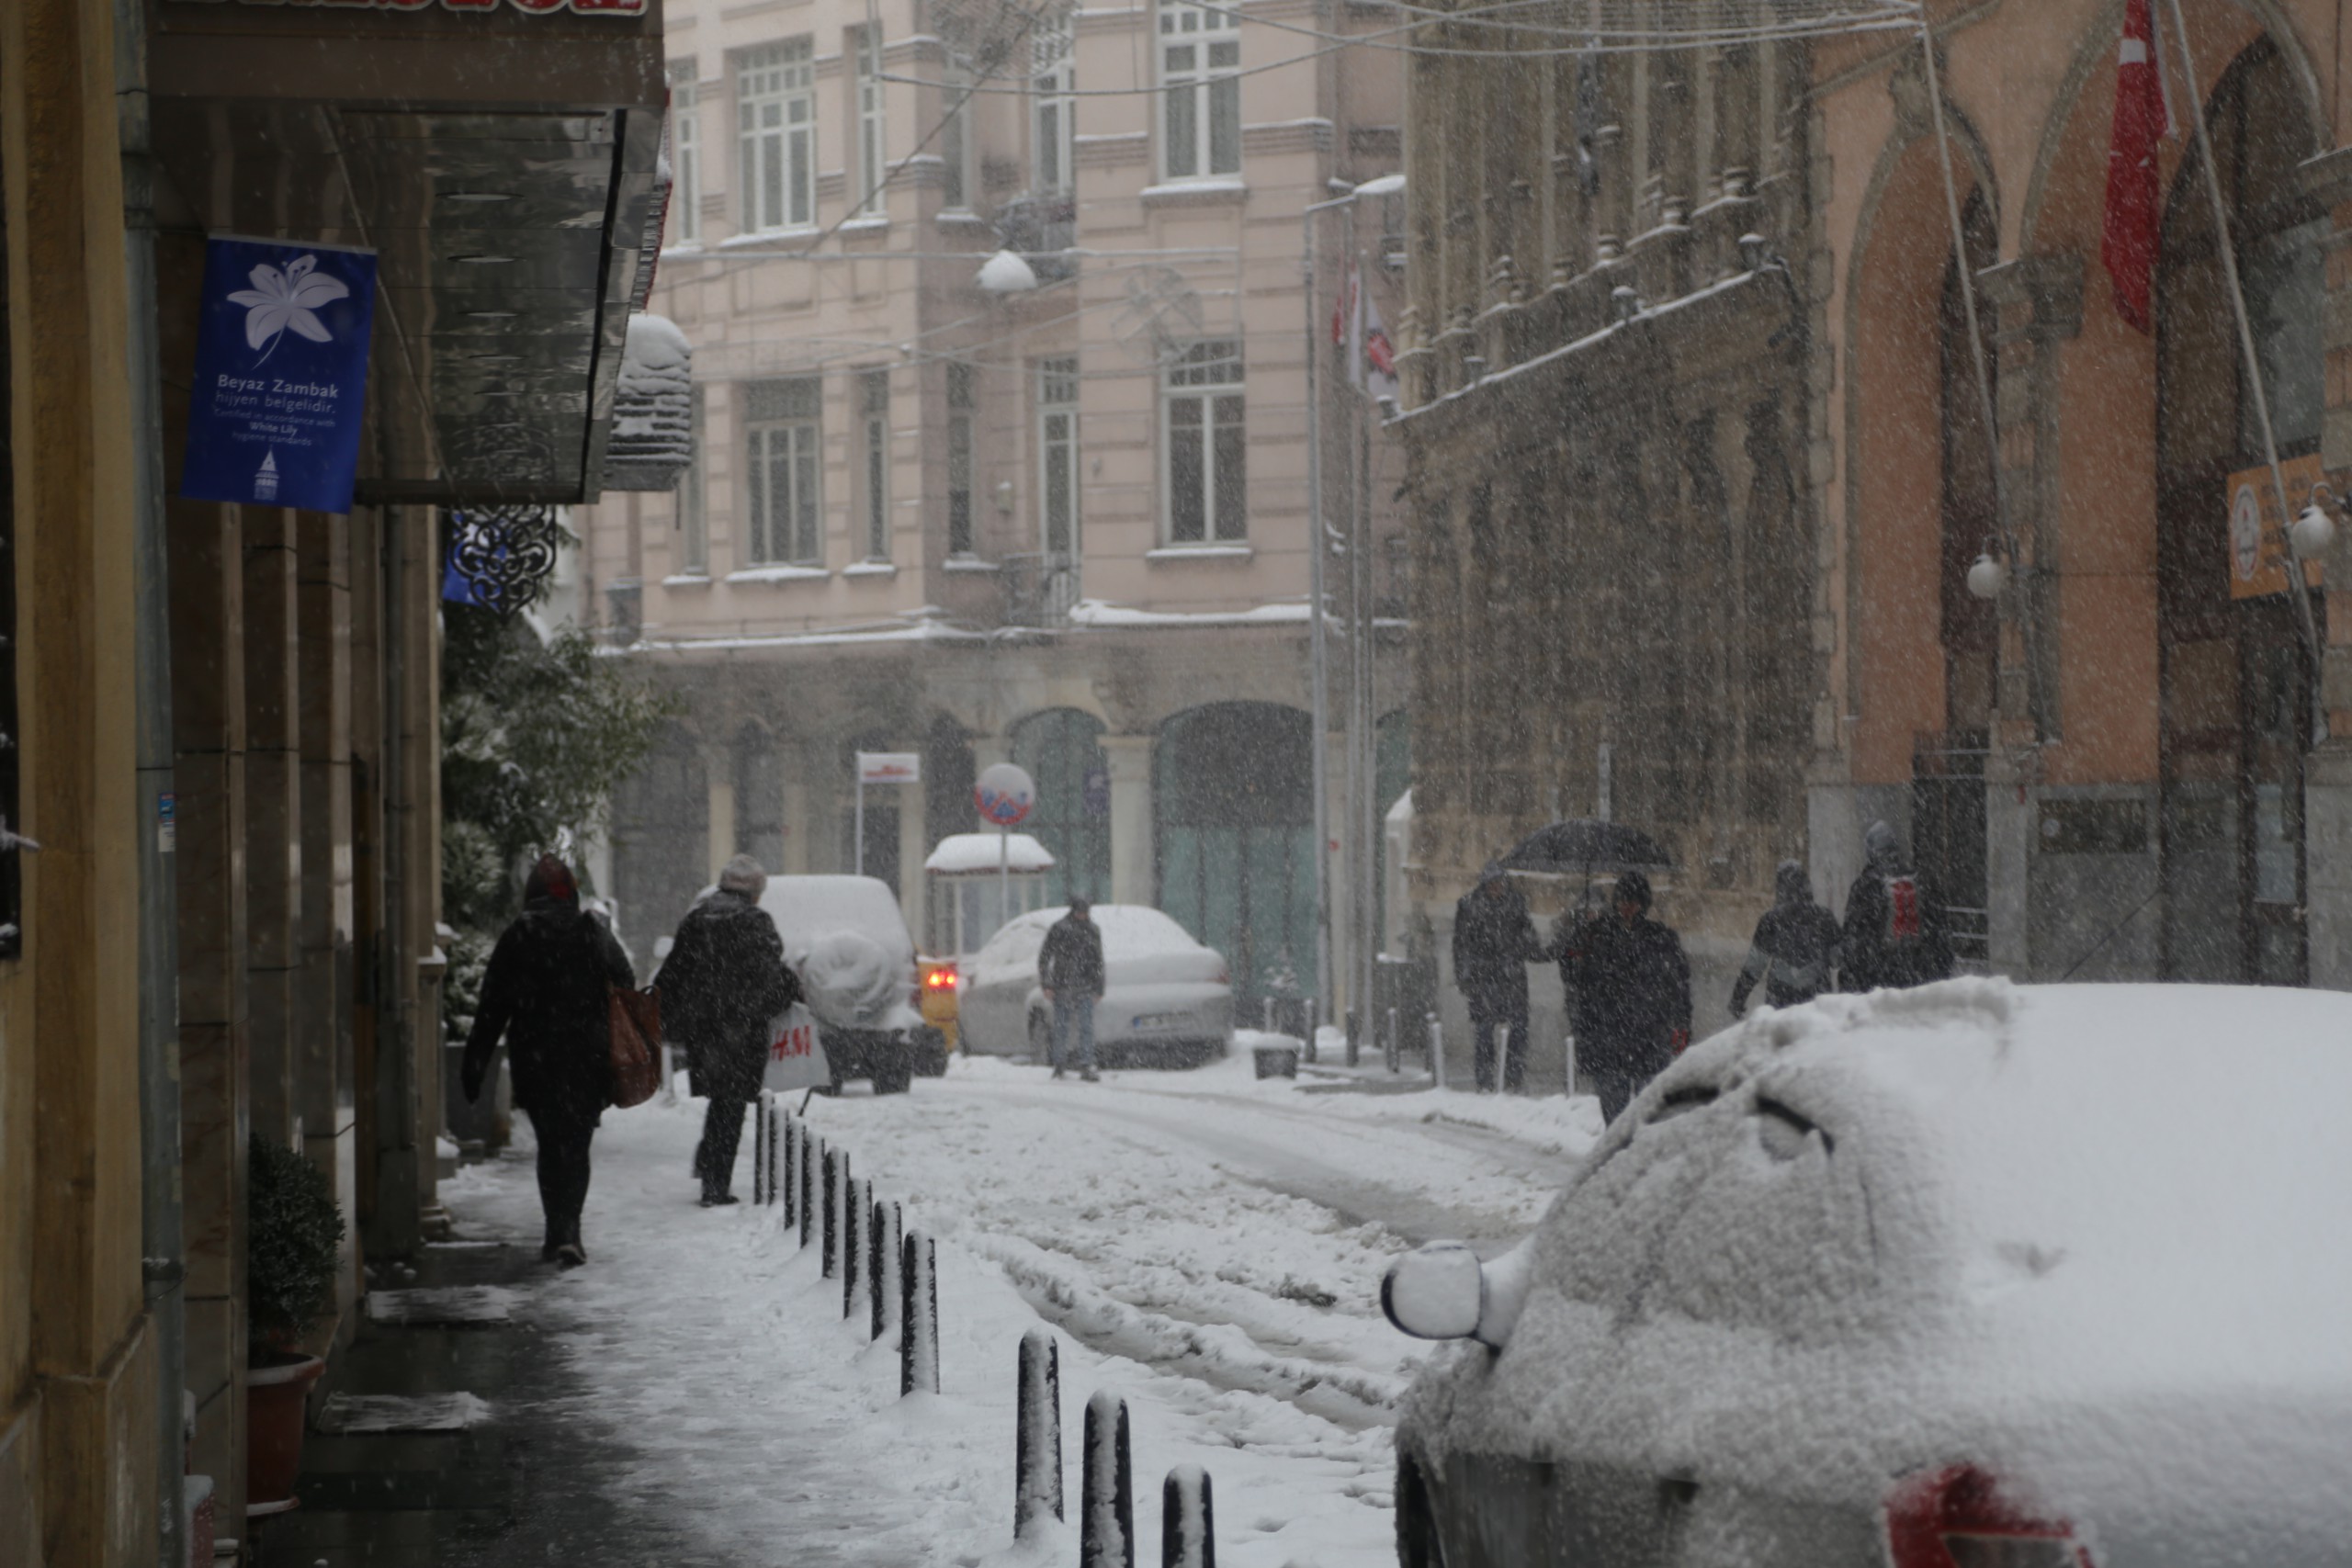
x,y
1040,589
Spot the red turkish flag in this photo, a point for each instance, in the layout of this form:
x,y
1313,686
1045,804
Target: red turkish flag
x,y
2127,246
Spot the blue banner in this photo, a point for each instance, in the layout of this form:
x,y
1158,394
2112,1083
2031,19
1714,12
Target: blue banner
x,y
282,373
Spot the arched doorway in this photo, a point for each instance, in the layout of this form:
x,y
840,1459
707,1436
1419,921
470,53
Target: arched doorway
x,y
2237,683
1948,766
1062,750
1233,794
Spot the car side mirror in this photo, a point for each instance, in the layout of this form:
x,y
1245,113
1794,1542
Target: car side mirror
x,y
1437,1292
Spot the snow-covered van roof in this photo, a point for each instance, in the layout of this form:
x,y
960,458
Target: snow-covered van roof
x,y
2091,1237
960,852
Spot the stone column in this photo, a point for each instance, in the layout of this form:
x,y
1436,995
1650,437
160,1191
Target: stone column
x,y
1134,874
718,777
324,1095
273,816
911,851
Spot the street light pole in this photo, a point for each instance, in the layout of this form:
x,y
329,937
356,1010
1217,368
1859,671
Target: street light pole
x,y
1319,607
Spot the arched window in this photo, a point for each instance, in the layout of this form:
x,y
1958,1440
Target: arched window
x,y
1062,750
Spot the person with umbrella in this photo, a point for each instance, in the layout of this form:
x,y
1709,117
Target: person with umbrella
x,y
1494,941
1629,984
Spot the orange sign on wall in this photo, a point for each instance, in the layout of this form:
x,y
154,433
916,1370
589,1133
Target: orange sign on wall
x,y
2258,534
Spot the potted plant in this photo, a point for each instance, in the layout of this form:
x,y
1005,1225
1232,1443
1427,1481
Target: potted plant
x,y
293,1243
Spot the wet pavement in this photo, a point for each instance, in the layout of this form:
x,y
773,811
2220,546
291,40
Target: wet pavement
x,y
533,1479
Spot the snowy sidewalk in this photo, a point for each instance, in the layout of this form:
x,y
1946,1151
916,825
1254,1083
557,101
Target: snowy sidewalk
x,y
1155,1220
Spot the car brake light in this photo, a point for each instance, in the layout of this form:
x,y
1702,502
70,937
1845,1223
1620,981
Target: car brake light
x,y
940,979
1955,1518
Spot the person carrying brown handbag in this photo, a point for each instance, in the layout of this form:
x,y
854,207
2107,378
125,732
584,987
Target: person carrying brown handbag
x,y
548,992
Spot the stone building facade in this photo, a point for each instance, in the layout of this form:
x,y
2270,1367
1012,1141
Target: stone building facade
x,y
1755,489
1065,525
1614,467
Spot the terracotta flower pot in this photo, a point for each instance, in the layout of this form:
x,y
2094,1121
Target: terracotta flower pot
x,y
277,1388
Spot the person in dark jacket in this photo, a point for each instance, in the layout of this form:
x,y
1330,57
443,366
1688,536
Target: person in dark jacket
x,y
724,982
1795,946
547,991
1494,941
1896,930
1070,972
1630,989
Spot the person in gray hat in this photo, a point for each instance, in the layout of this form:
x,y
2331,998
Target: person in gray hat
x,y
724,980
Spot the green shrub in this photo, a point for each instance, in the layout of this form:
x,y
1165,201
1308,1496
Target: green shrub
x,y
293,1241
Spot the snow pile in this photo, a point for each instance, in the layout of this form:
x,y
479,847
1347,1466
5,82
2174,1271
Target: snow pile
x,y
2084,1236
851,979
959,853
652,437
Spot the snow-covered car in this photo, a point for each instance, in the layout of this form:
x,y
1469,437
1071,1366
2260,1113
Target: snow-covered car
x,y
1167,1000
847,939
2020,1277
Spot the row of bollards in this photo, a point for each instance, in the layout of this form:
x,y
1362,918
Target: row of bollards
x,y
864,1240
896,1273
1106,1512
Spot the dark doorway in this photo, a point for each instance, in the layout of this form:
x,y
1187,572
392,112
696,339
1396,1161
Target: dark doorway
x,y
1233,796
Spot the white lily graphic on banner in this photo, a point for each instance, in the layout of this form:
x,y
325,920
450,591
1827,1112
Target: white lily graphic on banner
x,y
281,299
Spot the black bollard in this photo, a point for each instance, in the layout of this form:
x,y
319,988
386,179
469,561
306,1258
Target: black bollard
x,y
770,1151
811,1155
791,1170
759,1149
853,1222
882,1282
1187,1524
836,1177
918,1315
1037,1460
1107,1494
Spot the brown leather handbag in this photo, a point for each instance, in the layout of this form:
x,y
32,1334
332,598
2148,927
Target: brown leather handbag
x,y
636,1050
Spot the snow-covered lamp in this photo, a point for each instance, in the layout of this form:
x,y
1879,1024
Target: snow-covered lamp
x,y
1007,273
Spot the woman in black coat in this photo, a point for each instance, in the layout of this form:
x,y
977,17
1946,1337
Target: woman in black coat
x,y
724,981
546,990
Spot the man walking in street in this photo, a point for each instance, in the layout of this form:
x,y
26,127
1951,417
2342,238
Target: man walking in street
x,y
724,982
1897,931
546,991
1494,941
1630,985
1795,946
1069,968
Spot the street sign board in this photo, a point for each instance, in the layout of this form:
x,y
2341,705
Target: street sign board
x,y
281,371
890,767
1004,794
2258,552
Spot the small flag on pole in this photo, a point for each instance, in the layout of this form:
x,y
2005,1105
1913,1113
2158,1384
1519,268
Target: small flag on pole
x,y
1355,321
2128,243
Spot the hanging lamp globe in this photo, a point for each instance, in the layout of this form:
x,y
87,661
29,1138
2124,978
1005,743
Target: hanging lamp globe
x,y
1986,577
2313,532
1007,273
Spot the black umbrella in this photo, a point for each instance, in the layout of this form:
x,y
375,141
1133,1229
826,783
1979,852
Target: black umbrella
x,y
1585,845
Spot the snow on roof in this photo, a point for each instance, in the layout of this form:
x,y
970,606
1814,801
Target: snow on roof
x,y
652,413
979,852
1095,613
2089,1236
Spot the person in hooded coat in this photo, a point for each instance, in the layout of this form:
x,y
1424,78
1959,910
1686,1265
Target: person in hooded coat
x,y
1494,941
547,991
1630,985
724,981
1897,931
1795,946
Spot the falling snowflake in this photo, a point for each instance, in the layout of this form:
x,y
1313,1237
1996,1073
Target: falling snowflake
x,y
281,299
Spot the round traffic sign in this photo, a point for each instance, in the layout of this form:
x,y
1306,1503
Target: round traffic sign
x,y
1004,795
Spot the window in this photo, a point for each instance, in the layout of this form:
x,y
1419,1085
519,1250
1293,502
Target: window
x,y
685,157
874,404
780,473
1057,455
1200,61
959,459
955,146
872,171
694,521
1052,107
1207,476
776,118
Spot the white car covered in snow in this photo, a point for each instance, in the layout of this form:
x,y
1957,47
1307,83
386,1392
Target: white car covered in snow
x,y
1167,1000
2018,1277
